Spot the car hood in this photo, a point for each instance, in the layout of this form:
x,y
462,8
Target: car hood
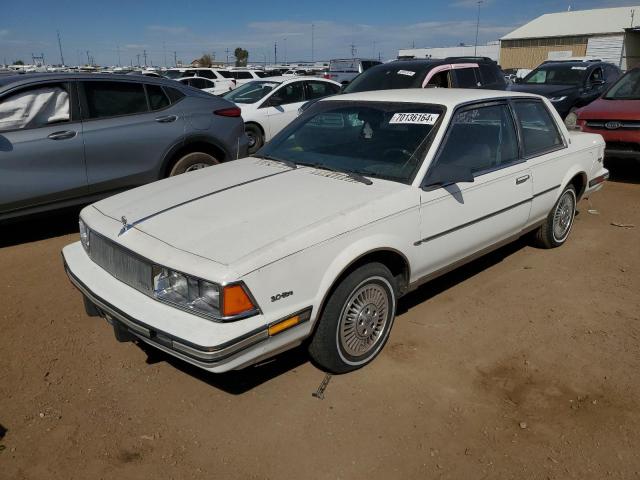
x,y
544,90
250,208
603,109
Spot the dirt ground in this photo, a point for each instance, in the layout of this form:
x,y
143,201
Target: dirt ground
x,y
524,365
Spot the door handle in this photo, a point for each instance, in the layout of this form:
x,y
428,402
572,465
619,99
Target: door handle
x,y
167,119
522,179
62,135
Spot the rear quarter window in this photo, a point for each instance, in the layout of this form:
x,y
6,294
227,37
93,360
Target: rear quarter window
x,y
539,131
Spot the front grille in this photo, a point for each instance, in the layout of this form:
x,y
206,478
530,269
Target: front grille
x,y
122,264
623,146
619,125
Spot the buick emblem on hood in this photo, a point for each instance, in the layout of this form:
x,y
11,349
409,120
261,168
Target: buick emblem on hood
x,y
612,125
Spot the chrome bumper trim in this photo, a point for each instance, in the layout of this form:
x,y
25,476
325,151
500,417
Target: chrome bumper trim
x,y
162,339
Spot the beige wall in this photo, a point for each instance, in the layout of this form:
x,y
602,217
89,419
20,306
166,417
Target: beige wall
x,y
531,57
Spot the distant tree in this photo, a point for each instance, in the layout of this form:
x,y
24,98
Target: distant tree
x,y
242,57
18,62
205,60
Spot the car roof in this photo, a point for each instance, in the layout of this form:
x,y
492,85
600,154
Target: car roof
x,y
27,78
449,97
574,63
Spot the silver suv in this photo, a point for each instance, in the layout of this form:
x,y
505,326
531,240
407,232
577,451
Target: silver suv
x,y
68,139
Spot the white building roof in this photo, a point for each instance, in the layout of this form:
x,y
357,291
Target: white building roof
x,y
578,22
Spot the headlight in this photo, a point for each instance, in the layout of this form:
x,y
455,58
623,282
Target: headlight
x,y
557,99
186,292
571,121
84,235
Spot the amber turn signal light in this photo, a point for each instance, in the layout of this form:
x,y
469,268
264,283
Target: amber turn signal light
x,y
235,301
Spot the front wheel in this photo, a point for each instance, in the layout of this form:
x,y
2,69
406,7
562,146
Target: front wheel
x,y
356,320
556,228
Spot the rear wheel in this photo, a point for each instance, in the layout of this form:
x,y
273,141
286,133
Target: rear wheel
x,y
192,161
356,320
256,138
556,228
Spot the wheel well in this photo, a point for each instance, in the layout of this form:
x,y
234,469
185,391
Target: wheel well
x,y
191,147
579,182
394,261
257,125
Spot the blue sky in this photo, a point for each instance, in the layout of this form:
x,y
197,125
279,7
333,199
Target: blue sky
x,y
193,27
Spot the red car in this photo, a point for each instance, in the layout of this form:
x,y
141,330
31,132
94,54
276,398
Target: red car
x,y
615,116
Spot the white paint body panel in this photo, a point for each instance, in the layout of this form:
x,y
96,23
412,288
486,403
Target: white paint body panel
x,y
278,229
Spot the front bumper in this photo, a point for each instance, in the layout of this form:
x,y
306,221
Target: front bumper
x,y
224,346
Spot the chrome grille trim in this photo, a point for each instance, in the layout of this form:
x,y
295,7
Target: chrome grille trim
x,y
122,264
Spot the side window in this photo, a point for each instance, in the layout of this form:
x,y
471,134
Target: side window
x,y
226,73
206,74
157,98
367,64
174,94
35,107
110,99
466,78
243,76
320,89
480,139
440,80
190,73
539,131
488,74
198,83
292,93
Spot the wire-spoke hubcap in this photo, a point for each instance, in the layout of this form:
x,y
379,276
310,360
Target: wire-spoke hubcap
x,y
563,216
196,166
364,319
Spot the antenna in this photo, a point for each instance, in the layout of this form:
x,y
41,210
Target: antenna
x,y
60,47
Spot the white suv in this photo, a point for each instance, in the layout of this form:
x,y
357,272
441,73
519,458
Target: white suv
x,y
222,83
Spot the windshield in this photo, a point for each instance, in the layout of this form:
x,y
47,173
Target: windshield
x,y
627,88
374,139
556,75
386,77
250,92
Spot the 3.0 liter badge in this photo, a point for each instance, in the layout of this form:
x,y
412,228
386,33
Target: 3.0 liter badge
x,y
280,296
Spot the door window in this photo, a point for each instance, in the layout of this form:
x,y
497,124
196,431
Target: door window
x,y
320,89
35,107
157,98
440,80
480,139
292,93
243,75
488,74
110,99
539,131
596,76
199,83
206,74
466,78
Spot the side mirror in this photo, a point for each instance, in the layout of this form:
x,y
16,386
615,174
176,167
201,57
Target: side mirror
x,y
443,175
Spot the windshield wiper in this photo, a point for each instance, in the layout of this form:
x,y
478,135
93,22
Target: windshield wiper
x,y
353,175
288,163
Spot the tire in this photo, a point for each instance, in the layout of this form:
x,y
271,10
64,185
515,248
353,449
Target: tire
x,y
256,138
556,228
344,342
192,161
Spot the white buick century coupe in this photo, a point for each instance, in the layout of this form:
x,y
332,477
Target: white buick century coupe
x,y
357,202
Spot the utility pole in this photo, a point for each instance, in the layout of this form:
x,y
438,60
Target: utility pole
x,y
138,55
475,47
285,49
118,48
227,52
164,52
373,52
60,47
175,58
353,50
144,55
275,53
88,59
312,42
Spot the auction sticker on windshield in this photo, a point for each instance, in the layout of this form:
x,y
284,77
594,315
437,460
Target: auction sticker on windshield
x,y
414,118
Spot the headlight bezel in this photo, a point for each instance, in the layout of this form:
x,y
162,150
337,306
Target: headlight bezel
x,y
85,235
